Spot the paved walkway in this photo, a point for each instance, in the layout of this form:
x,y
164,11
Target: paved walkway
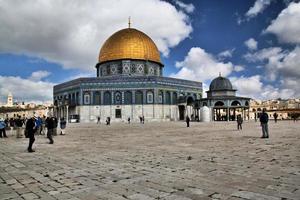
x,y
155,161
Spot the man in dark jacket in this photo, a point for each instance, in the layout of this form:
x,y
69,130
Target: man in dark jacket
x,y
187,119
19,124
239,121
30,129
51,125
264,118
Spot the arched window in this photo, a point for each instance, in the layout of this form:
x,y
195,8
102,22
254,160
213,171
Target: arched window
x,y
190,101
139,97
97,98
149,97
168,98
246,103
127,97
219,103
160,96
86,99
204,103
235,103
107,98
174,98
118,98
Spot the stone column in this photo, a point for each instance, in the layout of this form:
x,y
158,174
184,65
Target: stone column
x,y
144,97
67,118
122,97
92,98
81,97
112,97
133,97
101,97
132,104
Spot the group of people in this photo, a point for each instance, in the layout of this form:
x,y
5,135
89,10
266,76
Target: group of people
x,y
34,125
108,120
263,118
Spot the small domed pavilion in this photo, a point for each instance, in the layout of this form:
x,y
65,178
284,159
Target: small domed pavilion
x,y
222,99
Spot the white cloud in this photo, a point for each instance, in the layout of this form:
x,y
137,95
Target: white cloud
x,y
189,8
253,87
239,68
39,75
72,32
251,44
25,89
258,7
278,63
286,25
247,86
282,68
200,66
226,54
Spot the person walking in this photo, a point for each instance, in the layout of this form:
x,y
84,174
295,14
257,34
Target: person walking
x,y
2,128
19,125
275,115
98,120
264,118
239,121
39,123
43,125
63,124
30,131
128,120
143,119
187,119
51,123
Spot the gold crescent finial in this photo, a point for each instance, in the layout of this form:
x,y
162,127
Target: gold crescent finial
x,y
129,22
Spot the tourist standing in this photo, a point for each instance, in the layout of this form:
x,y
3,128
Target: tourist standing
x,y
19,125
2,128
63,124
264,118
50,123
38,122
239,121
187,119
43,125
128,120
30,130
98,120
275,115
108,121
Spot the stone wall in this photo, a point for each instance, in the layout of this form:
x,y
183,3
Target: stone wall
x,y
152,112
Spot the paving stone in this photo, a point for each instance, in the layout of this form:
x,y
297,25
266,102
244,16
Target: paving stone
x,y
30,196
252,195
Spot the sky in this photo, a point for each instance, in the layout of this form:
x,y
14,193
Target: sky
x,y
254,43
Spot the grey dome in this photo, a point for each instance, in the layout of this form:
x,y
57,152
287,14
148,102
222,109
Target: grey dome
x,y
220,83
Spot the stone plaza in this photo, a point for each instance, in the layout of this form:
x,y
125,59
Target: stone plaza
x,y
155,161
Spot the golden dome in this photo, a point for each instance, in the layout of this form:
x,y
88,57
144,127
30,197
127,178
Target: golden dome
x,y
129,43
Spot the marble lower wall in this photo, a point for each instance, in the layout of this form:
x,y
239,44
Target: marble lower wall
x,y
150,112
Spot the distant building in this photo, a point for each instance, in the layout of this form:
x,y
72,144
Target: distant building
x,y
10,102
284,108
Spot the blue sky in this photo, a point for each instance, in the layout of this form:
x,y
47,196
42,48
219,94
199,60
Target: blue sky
x,y
255,43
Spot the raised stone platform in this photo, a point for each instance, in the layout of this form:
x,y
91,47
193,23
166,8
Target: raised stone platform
x,y
155,161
